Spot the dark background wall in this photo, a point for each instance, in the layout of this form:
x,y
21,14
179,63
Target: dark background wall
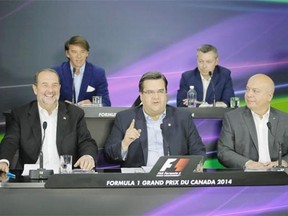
x,y
129,38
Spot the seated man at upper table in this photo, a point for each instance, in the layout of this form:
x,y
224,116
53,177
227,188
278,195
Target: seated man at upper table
x,y
66,131
251,135
142,134
208,78
81,80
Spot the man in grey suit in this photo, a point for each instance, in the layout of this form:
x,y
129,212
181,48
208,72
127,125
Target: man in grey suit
x,y
251,136
142,134
66,131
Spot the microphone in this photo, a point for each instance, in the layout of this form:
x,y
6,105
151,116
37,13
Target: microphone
x,y
73,87
41,173
41,152
213,87
279,167
165,142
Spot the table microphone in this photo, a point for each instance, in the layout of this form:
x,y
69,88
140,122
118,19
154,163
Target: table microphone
x,y
73,87
213,87
279,167
41,173
165,142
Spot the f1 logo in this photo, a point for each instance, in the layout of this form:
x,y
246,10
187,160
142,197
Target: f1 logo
x,y
180,165
168,164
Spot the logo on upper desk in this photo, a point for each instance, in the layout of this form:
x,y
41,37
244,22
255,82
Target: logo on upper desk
x,y
175,166
107,114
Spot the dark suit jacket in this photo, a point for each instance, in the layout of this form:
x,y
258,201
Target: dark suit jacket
x,y
24,134
179,132
238,140
93,76
222,83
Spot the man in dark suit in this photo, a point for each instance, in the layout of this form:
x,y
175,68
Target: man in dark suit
x,y
251,135
142,134
220,77
81,80
66,131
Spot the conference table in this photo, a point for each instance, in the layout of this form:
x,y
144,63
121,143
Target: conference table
x,y
254,193
110,192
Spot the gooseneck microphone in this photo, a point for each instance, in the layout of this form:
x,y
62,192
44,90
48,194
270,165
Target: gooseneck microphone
x,y
213,88
42,141
165,141
73,86
41,173
279,150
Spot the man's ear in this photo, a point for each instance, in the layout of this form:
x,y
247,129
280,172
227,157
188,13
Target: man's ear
x,y
34,87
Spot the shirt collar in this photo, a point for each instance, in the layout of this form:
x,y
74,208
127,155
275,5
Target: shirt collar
x,y
148,118
81,69
45,112
265,116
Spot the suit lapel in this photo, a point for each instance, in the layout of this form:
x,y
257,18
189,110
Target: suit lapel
x,y
85,81
273,119
248,119
199,85
141,124
168,125
62,123
35,124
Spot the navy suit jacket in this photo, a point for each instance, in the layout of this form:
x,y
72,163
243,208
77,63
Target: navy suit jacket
x,y
93,76
179,133
238,141
24,134
222,83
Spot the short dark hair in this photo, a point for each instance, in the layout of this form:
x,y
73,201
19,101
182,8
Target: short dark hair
x,y
207,48
42,70
152,75
77,40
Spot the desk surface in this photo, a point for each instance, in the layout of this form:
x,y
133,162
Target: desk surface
x,y
228,200
257,200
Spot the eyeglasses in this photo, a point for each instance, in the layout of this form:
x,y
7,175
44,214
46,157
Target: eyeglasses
x,y
152,92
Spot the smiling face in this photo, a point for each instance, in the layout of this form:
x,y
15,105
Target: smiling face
x,y
77,55
47,89
154,97
259,93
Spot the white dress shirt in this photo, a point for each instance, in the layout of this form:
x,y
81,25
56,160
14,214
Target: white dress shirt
x,y
50,153
205,84
262,136
77,80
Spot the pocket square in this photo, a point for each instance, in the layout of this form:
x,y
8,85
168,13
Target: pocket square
x,y
90,89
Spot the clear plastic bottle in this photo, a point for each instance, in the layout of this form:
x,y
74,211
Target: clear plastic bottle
x,y
192,97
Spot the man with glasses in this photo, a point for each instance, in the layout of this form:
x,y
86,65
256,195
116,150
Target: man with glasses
x,y
142,134
209,80
253,137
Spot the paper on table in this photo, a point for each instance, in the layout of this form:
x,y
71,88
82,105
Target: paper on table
x,y
143,169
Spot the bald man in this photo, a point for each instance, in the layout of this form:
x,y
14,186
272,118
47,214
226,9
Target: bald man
x,y
251,135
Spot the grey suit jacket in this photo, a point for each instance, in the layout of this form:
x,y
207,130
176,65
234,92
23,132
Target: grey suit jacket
x,y
24,134
179,133
238,139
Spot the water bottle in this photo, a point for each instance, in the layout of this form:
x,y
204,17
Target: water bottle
x,y
192,97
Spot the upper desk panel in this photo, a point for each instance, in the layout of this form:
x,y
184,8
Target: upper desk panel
x,y
110,112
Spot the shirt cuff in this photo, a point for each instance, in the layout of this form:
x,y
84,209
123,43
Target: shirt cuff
x,y
5,161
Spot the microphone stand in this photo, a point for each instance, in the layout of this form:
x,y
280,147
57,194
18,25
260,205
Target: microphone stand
x,y
213,87
73,87
165,142
279,167
41,173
